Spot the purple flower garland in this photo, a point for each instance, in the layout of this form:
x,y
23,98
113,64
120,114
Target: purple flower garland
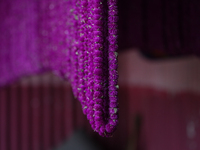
x,y
98,64
86,55
96,88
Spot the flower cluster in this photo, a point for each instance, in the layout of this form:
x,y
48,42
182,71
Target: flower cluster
x,y
82,48
94,59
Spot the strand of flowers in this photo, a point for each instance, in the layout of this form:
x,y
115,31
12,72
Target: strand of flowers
x,y
113,74
105,126
90,81
86,52
98,97
95,98
82,56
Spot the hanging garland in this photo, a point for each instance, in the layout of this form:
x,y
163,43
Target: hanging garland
x,y
82,47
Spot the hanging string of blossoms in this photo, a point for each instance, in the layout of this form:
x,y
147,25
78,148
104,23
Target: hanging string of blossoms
x,y
93,70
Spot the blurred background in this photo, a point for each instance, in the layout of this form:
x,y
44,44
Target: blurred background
x,y
159,88
159,109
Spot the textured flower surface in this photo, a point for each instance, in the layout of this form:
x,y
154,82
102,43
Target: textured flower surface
x,y
93,73
77,40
